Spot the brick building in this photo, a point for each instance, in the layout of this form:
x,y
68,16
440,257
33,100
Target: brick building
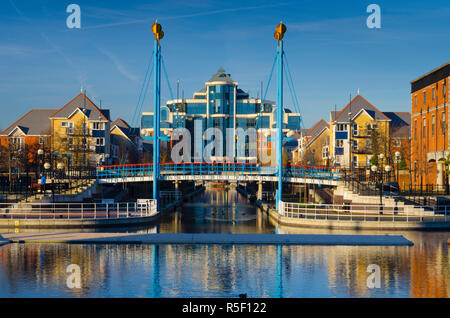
x,y
430,133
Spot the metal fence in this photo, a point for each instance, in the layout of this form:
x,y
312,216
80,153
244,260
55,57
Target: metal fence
x,y
364,212
141,208
20,186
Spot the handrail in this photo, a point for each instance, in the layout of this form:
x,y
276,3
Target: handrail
x,y
365,212
80,211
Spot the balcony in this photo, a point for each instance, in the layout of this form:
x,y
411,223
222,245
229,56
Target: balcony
x,y
362,151
362,133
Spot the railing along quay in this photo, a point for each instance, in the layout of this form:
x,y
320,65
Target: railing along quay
x,y
363,212
142,208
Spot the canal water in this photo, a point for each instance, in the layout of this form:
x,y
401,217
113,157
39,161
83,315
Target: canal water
x,y
39,270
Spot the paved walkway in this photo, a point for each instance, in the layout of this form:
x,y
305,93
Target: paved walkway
x,y
185,238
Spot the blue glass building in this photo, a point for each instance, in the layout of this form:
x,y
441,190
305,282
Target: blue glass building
x,y
221,104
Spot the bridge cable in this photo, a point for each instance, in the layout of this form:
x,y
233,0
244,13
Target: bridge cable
x,y
295,102
145,83
170,88
265,94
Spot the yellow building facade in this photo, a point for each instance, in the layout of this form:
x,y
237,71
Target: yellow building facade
x,y
81,131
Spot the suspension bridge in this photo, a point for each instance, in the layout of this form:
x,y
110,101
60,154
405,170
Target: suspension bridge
x,y
219,171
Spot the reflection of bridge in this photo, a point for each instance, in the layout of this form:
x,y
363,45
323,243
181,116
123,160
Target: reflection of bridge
x,y
231,172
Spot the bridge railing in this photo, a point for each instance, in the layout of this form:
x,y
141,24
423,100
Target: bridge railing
x,y
218,168
124,171
363,212
78,210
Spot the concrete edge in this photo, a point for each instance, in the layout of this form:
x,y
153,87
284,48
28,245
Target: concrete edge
x,y
76,223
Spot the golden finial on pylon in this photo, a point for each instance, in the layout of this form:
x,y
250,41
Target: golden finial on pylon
x,y
279,31
157,30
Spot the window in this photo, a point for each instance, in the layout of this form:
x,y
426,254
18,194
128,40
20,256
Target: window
x,y
69,127
341,127
325,152
339,143
68,142
67,124
433,96
397,143
415,100
84,144
424,132
443,90
17,142
99,141
370,127
424,97
415,128
355,129
354,145
443,124
98,126
41,140
433,125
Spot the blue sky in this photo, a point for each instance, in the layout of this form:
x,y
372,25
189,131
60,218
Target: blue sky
x,y
330,50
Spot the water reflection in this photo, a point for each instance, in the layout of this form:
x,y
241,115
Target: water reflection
x,y
221,271
217,210
227,270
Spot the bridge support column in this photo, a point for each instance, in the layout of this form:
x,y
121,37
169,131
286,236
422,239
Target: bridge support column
x,y
260,190
279,124
156,109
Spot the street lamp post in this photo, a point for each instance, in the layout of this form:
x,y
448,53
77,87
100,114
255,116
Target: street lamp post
x,y
60,168
397,161
47,167
40,153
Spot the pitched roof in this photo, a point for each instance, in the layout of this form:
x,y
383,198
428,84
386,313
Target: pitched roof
x,y
35,123
221,76
121,123
400,124
125,128
82,102
316,130
355,106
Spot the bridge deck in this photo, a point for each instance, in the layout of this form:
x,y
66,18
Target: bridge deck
x,y
218,172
